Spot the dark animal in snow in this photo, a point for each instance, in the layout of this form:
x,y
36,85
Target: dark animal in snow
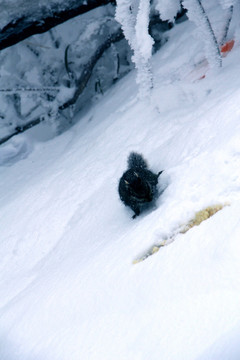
x,y
138,185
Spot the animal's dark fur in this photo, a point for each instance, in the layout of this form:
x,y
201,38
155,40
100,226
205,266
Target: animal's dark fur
x,y
138,185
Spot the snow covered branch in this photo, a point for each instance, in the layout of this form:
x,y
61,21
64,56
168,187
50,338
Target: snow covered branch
x,y
134,19
80,84
227,25
197,13
44,19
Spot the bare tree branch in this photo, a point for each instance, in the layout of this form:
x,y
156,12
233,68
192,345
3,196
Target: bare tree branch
x,y
82,81
21,129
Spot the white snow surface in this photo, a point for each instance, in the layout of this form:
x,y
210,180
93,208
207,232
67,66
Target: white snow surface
x,y
68,288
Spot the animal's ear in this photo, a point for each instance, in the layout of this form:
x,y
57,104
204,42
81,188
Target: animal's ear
x,y
160,172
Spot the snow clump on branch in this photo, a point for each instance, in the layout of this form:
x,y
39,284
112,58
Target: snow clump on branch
x,y
134,19
168,9
227,3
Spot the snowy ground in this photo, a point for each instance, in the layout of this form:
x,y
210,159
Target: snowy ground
x,y
68,288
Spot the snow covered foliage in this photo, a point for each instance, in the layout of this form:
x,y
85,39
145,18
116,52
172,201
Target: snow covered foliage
x,y
54,75
133,15
197,13
45,72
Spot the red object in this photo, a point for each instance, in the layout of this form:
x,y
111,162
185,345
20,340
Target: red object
x,y
227,47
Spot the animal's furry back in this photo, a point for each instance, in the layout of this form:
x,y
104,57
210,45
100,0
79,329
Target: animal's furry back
x,y
136,160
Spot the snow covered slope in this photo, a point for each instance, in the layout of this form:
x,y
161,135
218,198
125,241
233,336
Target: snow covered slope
x,y
68,288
